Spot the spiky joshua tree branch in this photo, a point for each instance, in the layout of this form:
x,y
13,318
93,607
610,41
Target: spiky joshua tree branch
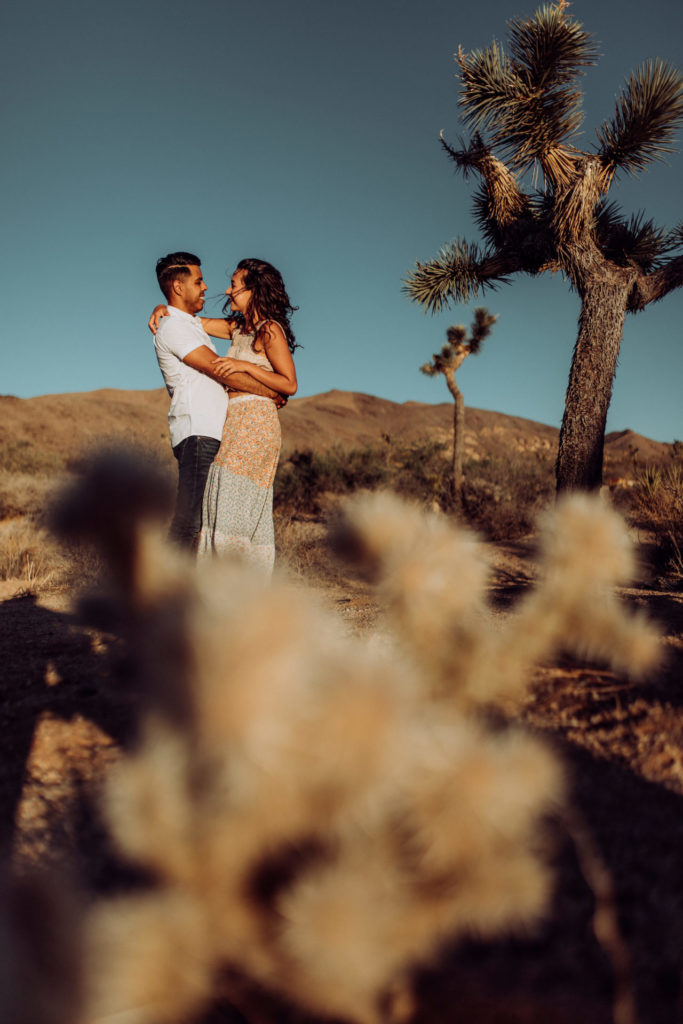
x,y
541,204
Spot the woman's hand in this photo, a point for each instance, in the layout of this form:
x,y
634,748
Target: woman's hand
x,y
159,312
225,365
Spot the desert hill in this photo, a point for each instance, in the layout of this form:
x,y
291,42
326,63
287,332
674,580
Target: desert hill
x,y
64,426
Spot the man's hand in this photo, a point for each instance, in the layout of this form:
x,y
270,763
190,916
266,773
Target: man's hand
x,y
157,314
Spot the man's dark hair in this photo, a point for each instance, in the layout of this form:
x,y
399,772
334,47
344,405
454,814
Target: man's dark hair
x,y
175,265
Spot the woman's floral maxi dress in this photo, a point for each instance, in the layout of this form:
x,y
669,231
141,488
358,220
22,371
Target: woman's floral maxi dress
x,y
237,513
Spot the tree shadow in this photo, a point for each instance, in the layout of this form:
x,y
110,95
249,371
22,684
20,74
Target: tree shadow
x,y
559,972
512,573
666,606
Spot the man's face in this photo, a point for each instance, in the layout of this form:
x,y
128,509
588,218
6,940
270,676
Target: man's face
x,y
191,290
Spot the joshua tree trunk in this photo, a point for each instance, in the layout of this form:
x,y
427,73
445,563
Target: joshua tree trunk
x,y
458,440
594,363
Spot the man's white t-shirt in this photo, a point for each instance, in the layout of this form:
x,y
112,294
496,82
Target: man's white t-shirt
x,y
198,404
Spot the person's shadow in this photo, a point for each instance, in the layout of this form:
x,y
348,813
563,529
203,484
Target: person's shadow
x,y
54,669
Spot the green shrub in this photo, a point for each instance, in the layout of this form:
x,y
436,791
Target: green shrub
x,y
501,496
422,471
305,476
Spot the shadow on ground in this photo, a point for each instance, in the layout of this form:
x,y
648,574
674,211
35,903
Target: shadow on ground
x,y
63,715
559,974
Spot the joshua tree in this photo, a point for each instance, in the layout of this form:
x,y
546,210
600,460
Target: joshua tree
x,y
447,361
524,110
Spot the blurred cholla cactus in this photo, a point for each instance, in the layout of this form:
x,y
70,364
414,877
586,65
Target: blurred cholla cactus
x,y
41,957
433,582
447,362
328,811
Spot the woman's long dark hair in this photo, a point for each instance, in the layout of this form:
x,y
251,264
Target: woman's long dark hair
x,y
269,299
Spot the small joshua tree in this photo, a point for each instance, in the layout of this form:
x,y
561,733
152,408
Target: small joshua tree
x,y
447,361
523,109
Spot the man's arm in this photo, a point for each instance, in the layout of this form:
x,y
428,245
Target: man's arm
x,y
202,358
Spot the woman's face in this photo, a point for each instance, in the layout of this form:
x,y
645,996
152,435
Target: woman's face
x,y
238,294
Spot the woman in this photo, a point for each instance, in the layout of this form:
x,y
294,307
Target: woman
x,y
237,514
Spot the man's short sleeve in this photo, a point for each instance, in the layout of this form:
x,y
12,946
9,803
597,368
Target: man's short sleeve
x,y
179,337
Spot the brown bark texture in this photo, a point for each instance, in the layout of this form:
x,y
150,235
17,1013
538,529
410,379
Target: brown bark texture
x,y
594,363
458,439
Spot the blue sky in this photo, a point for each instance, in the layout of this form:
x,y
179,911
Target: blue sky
x,y
305,133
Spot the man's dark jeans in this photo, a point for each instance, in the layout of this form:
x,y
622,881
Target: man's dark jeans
x,y
195,455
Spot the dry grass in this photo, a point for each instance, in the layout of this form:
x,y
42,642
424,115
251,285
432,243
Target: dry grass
x,y
303,550
28,554
29,483
31,558
658,507
27,494
29,458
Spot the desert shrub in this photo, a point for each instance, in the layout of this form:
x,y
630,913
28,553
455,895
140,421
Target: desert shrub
x,y
418,470
422,471
658,507
21,456
305,476
321,812
503,497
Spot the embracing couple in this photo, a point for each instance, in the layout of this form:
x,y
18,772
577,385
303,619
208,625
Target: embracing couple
x,y
223,419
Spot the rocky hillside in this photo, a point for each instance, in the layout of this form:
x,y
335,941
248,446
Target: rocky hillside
x,y
59,427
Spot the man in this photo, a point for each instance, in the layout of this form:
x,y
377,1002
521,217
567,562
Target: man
x,y
199,402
